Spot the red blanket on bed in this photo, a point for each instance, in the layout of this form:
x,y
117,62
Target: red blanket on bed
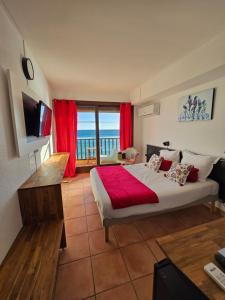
x,y
123,188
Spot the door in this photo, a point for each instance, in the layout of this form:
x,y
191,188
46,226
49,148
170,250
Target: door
x,y
86,138
97,134
109,137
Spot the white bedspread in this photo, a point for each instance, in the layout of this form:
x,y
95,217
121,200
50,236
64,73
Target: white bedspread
x,y
170,194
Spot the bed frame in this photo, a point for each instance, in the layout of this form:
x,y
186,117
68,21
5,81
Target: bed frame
x,y
217,174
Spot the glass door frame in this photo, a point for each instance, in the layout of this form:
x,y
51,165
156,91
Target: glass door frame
x,y
97,107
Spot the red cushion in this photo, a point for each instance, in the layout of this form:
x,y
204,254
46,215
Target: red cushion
x,y
165,165
193,175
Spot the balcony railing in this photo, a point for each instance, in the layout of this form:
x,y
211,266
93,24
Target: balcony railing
x,y
86,147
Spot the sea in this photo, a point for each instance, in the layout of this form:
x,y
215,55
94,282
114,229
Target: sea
x,y
86,142
103,133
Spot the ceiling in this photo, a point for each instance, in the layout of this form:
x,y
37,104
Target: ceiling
x,y
112,46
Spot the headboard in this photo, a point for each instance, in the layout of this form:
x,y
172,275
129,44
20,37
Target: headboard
x,y
155,150
217,174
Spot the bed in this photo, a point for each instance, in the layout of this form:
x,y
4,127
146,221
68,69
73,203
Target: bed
x,y
171,196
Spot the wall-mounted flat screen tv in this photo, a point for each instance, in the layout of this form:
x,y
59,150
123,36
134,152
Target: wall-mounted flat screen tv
x,y
44,119
30,114
38,117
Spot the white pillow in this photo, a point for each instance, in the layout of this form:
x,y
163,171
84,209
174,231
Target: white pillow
x,y
173,155
202,162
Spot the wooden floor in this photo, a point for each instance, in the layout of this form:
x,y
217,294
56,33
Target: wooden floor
x,y
122,269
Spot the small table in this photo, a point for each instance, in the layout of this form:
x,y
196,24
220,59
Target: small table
x,y
193,248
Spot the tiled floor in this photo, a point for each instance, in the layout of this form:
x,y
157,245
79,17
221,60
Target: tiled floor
x,y
121,269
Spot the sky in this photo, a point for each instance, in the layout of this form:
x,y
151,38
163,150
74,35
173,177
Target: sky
x,y
86,120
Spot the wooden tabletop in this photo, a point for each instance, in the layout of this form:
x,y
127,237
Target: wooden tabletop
x,y
193,248
50,172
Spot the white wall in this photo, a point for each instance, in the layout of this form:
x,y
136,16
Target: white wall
x,y
73,93
13,170
200,136
201,69
202,65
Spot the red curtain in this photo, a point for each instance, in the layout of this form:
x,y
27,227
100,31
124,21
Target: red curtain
x,y
66,131
126,126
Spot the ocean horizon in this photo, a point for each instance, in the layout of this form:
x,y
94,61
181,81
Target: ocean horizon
x,y
103,133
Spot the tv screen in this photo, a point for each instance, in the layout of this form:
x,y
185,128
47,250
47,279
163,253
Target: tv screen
x,y
44,119
30,115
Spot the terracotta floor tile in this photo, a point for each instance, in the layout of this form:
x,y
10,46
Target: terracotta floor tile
x,y
149,229
67,181
98,244
157,252
126,234
73,192
75,189
109,270
77,179
144,287
84,175
202,214
91,208
87,189
186,219
71,200
189,218
89,198
75,281
86,181
77,248
139,260
123,292
74,211
76,226
64,188
94,222
168,222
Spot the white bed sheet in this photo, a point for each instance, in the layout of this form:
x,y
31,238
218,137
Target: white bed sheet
x,y
170,194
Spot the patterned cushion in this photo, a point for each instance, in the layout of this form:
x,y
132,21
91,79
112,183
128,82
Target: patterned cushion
x,y
179,173
155,162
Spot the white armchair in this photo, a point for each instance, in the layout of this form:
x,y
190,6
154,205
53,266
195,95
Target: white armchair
x,y
131,155
111,158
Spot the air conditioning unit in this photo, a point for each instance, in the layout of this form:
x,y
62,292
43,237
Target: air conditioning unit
x,y
148,110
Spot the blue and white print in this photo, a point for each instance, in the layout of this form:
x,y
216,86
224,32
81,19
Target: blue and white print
x,y
196,107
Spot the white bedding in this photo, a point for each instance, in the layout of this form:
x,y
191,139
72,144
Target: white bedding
x,y
170,194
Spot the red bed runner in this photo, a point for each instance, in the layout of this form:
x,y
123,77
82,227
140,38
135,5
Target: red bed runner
x,y
124,189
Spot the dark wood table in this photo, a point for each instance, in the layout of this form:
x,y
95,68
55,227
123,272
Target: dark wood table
x,y
40,197
193,248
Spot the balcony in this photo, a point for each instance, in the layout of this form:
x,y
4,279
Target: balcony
x,y
86,149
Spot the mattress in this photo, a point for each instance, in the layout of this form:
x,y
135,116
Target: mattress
x,y
170,194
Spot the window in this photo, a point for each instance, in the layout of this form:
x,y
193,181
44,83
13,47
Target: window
x,y
98,134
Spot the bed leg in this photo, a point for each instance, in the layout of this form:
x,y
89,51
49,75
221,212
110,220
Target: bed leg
x,y
106,234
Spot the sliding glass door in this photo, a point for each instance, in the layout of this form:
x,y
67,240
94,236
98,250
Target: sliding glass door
x,y
98,134
109,137
86,138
